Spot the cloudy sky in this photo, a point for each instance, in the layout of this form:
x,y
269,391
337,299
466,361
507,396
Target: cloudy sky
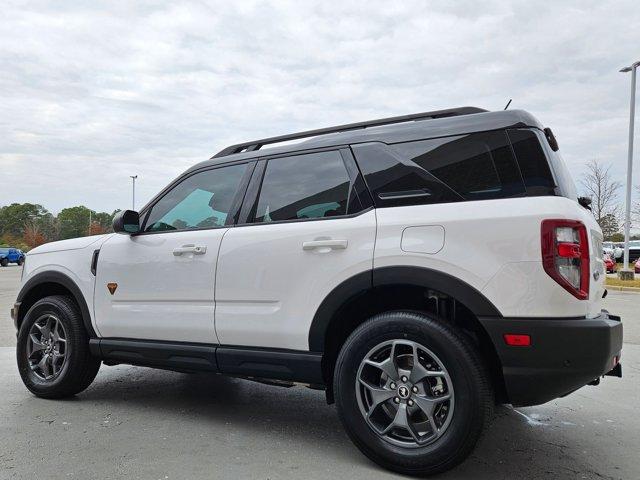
x,y
92,93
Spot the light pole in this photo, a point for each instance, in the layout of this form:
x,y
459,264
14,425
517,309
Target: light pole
x,y
627,217
133,193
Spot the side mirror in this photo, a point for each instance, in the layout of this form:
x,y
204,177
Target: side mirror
x,y
127,222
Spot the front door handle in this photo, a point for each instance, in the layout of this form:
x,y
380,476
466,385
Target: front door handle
x,y
196,250
329,244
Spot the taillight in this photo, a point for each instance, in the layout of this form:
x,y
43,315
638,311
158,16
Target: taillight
x,y
565,255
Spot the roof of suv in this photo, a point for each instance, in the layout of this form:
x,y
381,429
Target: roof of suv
x,y
393,130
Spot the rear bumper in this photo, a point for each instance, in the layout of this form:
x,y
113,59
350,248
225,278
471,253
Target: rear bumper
x,y
564,355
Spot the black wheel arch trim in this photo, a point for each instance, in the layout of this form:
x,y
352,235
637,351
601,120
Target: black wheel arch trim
x,y
363,282
61,279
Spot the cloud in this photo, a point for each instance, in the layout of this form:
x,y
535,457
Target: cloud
x,y
92,93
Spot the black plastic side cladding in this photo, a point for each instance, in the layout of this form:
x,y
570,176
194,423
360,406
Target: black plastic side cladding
x,y
267,363
414,276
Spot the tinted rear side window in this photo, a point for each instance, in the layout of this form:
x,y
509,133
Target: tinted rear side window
x,y
314,185
394,179
476,166
533,162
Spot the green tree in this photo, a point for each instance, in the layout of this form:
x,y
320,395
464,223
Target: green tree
x,y
15,217
617,237
48,225
74,222
609,225
104,219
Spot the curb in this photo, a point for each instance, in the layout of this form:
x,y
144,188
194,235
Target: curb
x,y
622,289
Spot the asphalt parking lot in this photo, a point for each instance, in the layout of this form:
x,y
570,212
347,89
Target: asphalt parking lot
x,y
138,423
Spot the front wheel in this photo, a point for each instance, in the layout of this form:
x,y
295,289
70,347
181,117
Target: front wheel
x,y
412,393
20,261
4,262
53,349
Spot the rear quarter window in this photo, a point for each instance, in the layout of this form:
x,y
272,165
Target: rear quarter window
x,y
475,166
533,163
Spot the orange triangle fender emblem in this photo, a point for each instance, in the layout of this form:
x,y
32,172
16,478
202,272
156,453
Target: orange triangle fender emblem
x,y
112,287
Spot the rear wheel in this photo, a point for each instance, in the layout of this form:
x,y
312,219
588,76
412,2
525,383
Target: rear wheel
x,y
4,262
53,349
20,261
412,393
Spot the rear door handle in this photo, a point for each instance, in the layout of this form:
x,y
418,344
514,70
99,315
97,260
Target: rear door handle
x,y
325,244
196,250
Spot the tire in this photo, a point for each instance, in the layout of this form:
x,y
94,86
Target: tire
x,y
462,377
20,261
4,262
76,369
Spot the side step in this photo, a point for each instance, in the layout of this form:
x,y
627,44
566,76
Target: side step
x,y
149,353
278,365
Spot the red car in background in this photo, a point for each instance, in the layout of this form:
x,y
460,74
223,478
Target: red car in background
x,y
611,267
636,266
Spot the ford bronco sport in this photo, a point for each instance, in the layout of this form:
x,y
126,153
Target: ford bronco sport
x,y
418,269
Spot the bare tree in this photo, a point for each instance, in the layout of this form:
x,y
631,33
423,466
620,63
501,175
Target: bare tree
x,y
603,190
635,207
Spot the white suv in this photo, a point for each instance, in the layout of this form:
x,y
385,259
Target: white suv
x,y
418,269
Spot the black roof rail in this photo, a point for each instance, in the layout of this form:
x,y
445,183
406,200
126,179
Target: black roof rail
x,y
257,144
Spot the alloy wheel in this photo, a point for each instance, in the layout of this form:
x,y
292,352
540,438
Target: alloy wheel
x,y
47,347
405,393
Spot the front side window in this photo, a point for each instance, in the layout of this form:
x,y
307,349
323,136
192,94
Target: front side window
x,y
202,200
314,185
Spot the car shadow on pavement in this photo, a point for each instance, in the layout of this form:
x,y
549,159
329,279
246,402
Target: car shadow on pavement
x,y
513,446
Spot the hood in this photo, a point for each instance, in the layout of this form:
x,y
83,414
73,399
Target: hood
x,y
71,244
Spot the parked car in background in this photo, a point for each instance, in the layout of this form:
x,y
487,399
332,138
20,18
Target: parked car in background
x,y
612,249
634,250
637,266
11,255
610,264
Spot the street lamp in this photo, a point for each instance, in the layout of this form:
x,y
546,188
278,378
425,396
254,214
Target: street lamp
x,y
627,218
133,193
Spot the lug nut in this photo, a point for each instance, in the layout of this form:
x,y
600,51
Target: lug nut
x,y
393,385
410,403
404,379
396,400
414,389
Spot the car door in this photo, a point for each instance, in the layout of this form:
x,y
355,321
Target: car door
x,y
308,226
159,284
